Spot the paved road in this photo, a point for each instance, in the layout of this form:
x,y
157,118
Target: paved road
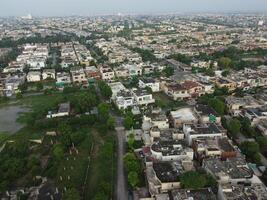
x,y
263,160
121,189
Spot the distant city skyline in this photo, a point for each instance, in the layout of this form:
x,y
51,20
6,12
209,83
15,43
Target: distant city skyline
x,y
102,7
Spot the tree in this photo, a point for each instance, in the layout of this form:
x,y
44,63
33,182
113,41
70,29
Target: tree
x,y
72,194
251,150
111,123
146,55
224,62
23,87
103,112
131,141
128,122
168,71
234,127
181,58
39,86
84,102
217,105
131,163
134,81
19,95
77,137
225,73
262,141
64,128
101,196
105,90
133,179
58,151
246,127
193,180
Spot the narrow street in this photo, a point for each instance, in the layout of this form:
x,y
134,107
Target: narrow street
x,y
121,186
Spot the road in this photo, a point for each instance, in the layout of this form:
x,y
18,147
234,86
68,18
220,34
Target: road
x,y
121,186
263,160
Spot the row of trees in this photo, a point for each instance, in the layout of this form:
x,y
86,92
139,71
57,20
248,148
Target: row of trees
x,y
146,55
10,43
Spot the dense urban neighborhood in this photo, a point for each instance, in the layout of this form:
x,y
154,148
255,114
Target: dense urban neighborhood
x,y
160,107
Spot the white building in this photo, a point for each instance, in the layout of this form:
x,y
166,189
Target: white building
x,y
34,76
142,97
151,83
49,74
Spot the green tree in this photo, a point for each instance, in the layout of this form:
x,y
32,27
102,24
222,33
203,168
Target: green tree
x,y
131,141
84,102
193,180
105,90
224,62
64,128
168,71
217,105
133,179
234,127
131,163
72,194
19,96
58,151
111,123
225,73
262,141
39,86
101,196
181,58
103,112
128,122
251,150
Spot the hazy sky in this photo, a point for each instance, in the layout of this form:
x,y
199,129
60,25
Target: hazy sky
x,y
96,7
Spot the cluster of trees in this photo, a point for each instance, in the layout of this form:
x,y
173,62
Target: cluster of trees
x,y
128,121
133,168
232,57
105,177
14,163
168,71
105,121
252,151
146,55
197,180
85,101
232,125
208,71
8,42
216,103
181,58
11,55
105,90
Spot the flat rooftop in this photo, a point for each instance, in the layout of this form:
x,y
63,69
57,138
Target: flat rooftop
x,y
168,171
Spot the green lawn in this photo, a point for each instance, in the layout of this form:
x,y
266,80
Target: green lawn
x,y
3,137
165,102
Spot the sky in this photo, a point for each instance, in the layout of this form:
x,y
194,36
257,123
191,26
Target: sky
x,y
101,7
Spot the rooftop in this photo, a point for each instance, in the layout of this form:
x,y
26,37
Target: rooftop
x,y
168,171
200,194
235,168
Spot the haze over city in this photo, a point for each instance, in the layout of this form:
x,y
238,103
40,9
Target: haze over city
x,y
102,7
